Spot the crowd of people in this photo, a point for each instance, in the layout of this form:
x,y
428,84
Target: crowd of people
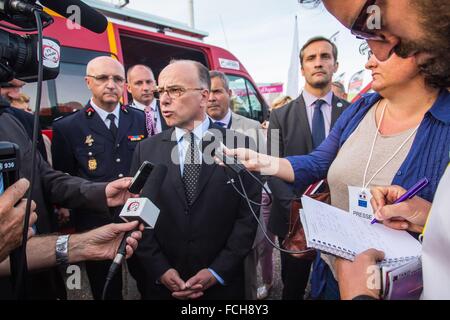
x,y
208,240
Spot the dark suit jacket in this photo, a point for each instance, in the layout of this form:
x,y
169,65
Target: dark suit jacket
x,y
83,146
27,121
294,139
164,125
50,187
216,231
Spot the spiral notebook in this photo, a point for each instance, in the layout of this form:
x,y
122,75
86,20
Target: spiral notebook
x,y
342,234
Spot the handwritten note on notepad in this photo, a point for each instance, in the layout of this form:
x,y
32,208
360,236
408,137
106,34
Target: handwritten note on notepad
x,y
337,232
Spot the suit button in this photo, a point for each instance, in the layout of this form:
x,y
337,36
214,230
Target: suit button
x,y
90,154
121,175
118,160
118,145
186,211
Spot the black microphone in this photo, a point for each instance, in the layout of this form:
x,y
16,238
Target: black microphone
x,y
89,17
150,192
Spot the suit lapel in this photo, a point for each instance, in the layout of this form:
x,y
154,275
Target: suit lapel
x,y
125,122
171,150
303,123
207,169
97,125
336,110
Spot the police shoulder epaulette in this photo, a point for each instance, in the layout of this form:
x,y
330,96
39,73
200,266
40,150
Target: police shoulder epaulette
x,y
65,115
90,111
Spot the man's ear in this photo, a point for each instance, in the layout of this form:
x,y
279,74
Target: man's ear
x,y
336,67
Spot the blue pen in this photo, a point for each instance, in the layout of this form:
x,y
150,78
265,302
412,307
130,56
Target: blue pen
x,y
415,189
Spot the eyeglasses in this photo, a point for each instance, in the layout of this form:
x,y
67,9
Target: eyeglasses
x,y
360,27
173,92
103,78
369,54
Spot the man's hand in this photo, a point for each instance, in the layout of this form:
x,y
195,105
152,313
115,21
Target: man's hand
x,y
360,277
117,192
102,243
11,218
408,215
172,281
196,285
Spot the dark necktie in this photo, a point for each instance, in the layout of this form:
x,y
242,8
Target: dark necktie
x,y
223,125
318,124
192,166
112,126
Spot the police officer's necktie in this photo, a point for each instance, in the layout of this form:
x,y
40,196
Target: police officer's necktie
x,y
318,124
112,126
192,166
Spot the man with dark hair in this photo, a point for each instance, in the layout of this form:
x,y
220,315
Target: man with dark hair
x,y
406,27
301,126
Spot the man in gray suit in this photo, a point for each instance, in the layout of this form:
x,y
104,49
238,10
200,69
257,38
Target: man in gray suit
x,y
296,129
220,113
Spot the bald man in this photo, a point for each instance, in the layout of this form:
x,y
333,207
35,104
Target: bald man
x,y
96,143
140,84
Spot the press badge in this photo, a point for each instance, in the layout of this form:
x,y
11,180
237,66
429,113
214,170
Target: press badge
x,y
359,202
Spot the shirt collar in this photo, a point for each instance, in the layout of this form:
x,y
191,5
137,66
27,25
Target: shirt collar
x,y
103,114
441,107
226,119
439,110
142,107
310,99
199,131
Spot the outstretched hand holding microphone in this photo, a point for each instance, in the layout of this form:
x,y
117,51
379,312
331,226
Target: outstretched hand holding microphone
x,y
148,178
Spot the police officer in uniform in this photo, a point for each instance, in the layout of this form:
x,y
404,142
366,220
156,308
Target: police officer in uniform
x,y
97,143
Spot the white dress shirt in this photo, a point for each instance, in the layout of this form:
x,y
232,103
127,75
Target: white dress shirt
x,y
183,145
310,102
103,114
154,107
226,120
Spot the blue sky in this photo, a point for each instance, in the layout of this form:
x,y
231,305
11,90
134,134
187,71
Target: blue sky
x,y
260,32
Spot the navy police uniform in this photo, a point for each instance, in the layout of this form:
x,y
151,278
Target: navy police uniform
x,y
84,146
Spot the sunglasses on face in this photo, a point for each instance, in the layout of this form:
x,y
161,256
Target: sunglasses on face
x,y
360,27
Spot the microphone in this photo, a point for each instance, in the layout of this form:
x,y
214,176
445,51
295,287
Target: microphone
x,y
89,17
142,209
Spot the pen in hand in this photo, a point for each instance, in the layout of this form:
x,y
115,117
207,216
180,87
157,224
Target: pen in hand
x,y
415,189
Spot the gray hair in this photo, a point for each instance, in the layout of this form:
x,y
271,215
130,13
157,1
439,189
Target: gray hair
x,y
217,74
203,72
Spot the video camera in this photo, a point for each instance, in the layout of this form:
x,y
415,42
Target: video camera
x,y
19,53
9,163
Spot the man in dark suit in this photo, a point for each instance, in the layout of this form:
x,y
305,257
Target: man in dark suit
x,y
296,129
140,84
97,143
9,91
205,229
53,187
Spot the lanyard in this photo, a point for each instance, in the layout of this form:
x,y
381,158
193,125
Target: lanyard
x,y
366,184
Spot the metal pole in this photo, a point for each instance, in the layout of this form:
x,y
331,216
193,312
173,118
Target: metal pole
x,y
191,13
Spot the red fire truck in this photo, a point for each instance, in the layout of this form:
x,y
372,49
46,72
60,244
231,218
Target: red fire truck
x,y
136,37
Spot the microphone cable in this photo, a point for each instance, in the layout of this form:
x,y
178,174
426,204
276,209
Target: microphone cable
x,y
20,287
244,195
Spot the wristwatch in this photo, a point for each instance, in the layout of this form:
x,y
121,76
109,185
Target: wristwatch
x,y
62,250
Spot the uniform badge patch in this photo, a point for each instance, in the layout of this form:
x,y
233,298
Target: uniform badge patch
x,y
92,164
